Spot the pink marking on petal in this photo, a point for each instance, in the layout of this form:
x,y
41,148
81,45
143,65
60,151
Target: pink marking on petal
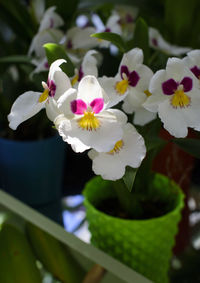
x,y
78,106
97,105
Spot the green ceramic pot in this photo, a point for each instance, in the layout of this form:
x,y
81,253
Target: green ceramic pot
x,y
144,245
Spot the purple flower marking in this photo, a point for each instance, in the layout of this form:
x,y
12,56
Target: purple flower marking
x,y
107,30
51,23
196,71
129,19
154,42
52,88
187,84
170,86
69,44
46,65
80,74
78,106
133,77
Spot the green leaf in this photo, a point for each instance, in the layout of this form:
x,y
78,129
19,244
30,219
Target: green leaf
x,y
112,37
18,18
65,8
56,51
141,38
15,59
191,146
129,177
179,20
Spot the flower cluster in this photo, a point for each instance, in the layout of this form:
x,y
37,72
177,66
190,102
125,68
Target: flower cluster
x,y
84,118
99,113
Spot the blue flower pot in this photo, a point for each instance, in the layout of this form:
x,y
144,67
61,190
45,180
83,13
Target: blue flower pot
x,y
32,171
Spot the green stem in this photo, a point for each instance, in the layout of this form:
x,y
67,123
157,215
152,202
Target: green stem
x,y
128,201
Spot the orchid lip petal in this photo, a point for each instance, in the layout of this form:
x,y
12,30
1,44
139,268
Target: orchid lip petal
x,y
169,86
187,83
78,106
97,105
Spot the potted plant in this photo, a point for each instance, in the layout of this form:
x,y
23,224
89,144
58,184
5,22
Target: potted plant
x,y
117,114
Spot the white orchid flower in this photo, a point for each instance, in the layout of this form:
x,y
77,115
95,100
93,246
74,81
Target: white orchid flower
x,y
86,121
192,61
156,41
131,85
79,38
128,151
112,25
176,98
30,103
45,36
127,16
48,32
38,7
41,66
50,20
88,67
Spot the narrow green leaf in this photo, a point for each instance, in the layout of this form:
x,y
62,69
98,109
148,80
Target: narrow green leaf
x,y
14,59
17,16
65,8
129,177
191,146
179,20
141,38
112,37
56,51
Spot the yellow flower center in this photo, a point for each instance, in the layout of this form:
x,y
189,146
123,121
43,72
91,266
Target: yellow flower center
x,y
147,93
44,96
121,87
74,80
180,99
118,146
89,122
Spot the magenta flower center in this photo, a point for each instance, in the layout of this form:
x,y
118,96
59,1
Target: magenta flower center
x,y
79,107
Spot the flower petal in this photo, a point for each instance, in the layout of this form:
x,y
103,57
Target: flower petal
x,y
108,166
173,120
111,166
109,84
24,107
143,116
64,101
50,19
97,105
89,64
101,139
90,89
52,110
132,58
